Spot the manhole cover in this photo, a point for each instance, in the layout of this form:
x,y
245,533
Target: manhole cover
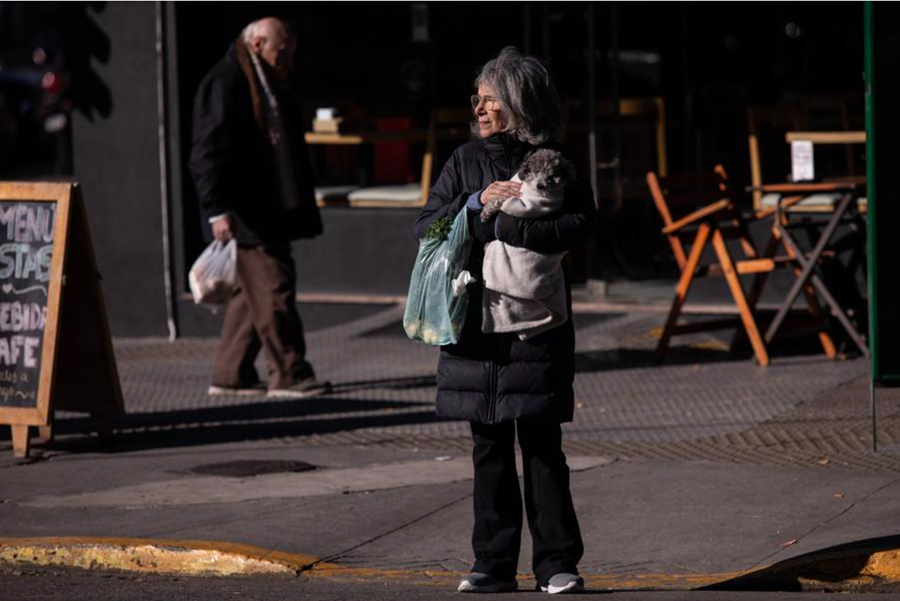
x,y
249,468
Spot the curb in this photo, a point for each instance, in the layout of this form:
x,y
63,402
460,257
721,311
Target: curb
x,y
853,567
170,557
193,558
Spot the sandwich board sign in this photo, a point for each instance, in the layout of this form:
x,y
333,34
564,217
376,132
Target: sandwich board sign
x,y
55,347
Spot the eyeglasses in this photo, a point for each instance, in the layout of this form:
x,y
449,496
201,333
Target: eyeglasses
x,y
490,103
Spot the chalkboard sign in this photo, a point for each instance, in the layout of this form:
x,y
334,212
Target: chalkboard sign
x,y
26,250
55,347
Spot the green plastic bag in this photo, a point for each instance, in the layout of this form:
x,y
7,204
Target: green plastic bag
x,y
437,300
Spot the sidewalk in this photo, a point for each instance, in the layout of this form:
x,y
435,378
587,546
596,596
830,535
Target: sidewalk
x,y
685,475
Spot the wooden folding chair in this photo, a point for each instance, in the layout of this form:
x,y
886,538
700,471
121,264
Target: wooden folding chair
x,y
769,120
696,208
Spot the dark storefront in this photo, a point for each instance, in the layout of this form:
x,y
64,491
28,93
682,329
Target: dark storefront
x,y
132,71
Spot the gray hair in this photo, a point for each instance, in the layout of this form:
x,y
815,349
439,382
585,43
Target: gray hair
x,y
526,92
251,31
256,29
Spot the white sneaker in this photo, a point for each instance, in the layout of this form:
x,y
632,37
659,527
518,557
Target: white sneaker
x,y
479,582
564,583
255,390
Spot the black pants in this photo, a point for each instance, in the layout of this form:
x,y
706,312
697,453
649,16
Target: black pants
x,y
498,502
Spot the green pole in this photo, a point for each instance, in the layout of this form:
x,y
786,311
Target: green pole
x,y
871,209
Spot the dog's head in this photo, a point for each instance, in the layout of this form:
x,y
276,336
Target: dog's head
x,y
547,170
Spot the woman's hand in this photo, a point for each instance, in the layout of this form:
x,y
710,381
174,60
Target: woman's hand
x,y
501,191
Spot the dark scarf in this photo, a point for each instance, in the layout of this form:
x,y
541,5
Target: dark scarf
x,y
246,63
271,122
506,153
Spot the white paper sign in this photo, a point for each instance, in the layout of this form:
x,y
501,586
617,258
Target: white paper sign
x,y
326,113
802,163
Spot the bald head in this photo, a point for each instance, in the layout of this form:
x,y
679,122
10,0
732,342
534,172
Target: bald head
x,y
271,40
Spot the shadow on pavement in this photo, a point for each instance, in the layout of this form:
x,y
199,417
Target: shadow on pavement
x,y
250,422
861,565
252,418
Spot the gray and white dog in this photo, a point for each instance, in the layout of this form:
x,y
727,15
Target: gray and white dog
x,y
544,174
524,290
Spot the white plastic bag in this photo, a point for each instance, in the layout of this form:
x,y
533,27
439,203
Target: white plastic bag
x,y
214,273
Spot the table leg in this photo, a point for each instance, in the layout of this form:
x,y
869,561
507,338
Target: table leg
x,y
807,264
840,314
813,304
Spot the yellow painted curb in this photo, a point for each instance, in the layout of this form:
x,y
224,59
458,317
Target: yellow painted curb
x,y
668,582
884,564
159,556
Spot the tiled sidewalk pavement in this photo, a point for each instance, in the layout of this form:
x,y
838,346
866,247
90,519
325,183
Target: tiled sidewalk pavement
x,y
702,404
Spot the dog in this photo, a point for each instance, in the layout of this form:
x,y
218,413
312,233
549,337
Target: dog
x,y
544,175
524,290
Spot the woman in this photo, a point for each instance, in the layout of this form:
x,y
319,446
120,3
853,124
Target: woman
x,y
498,382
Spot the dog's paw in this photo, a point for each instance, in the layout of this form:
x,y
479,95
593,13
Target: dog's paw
x,y
490,210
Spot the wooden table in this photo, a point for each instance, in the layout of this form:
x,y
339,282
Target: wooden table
x,y
846,138
357,138
429,135
792,195
366,137
826,137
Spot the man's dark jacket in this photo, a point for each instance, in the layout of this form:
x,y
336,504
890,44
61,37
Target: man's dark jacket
x,y
267,188
492,378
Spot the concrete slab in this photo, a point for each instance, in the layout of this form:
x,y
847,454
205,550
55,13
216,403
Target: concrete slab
x,y
863,516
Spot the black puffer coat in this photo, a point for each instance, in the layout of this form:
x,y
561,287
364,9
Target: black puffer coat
x,y
491,378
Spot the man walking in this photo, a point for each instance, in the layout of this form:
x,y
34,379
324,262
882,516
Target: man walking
x,y
254,181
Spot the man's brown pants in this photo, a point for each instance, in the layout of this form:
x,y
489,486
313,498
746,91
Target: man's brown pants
x,y
263,314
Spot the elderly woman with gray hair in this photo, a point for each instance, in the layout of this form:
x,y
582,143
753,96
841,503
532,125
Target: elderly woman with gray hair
x,y
501,383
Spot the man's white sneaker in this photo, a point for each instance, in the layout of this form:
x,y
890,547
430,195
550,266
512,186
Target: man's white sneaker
x,y
303,389
255,390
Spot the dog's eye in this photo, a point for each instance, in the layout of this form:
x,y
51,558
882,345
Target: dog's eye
x,y
556,179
